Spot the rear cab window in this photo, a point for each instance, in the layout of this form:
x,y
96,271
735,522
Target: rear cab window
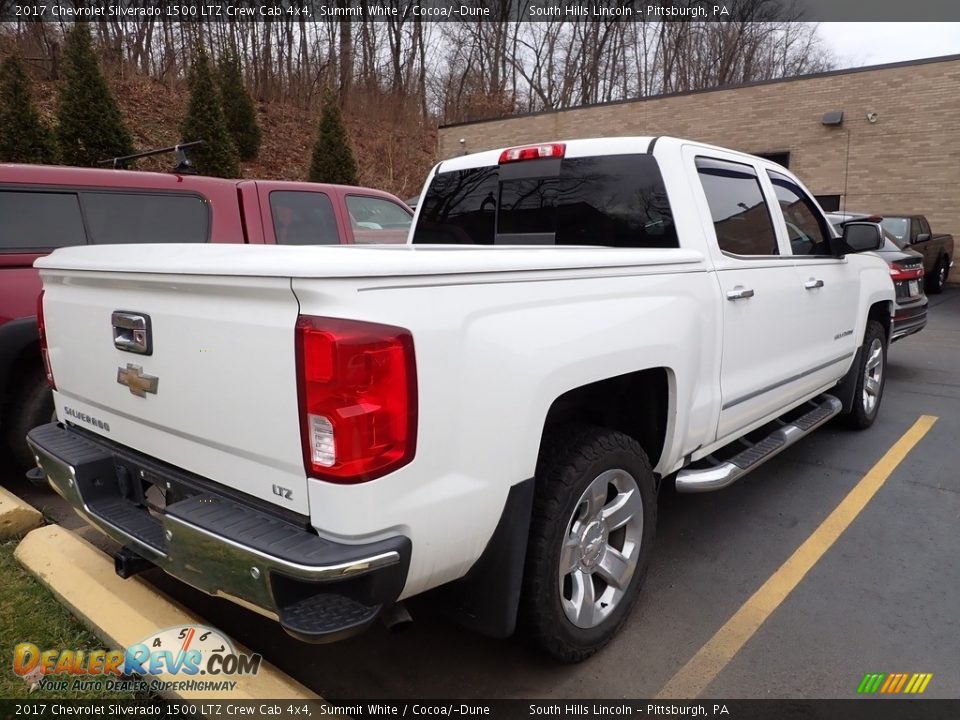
x,y
609,201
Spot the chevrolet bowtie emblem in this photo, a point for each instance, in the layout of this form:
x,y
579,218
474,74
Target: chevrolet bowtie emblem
x,y
132,376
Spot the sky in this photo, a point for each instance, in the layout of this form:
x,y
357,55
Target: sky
x,y
875,43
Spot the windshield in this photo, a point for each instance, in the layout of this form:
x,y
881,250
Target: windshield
x,y
898,227
613,201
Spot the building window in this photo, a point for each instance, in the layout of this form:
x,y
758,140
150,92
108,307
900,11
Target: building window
x,y
781,157
829,203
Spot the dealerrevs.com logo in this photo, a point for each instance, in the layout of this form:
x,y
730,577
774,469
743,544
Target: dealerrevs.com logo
x,y
193,657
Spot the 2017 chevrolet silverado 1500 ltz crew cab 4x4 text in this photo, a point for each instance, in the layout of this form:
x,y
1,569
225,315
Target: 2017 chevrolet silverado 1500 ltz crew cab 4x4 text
x,y
321,432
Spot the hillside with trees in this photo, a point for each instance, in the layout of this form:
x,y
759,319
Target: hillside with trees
x,y
395,80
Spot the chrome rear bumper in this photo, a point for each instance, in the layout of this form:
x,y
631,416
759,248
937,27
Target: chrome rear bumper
x,y
215,543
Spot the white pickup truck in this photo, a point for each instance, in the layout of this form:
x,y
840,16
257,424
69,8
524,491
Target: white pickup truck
x,y
321,432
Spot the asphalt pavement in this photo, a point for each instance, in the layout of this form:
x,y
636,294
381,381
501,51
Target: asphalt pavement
x,y
883,598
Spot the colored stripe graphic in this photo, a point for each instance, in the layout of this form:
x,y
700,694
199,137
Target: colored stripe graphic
x,y
894,683
903,679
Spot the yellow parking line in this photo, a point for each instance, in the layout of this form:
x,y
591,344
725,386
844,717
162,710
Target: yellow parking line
x,y
693,678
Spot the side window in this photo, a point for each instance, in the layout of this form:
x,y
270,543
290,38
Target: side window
x,y
806,231
741,217
31,221
124,217
914,228
303,218
375,220
925,226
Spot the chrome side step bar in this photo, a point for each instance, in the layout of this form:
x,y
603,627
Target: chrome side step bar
x,y
728,472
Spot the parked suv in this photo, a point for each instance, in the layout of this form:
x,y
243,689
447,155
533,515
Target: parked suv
x,y
46,207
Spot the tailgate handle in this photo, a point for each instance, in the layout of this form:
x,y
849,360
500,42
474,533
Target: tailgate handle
x,y
131,332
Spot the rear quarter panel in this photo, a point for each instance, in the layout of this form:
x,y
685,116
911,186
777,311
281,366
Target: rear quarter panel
x,y
492,355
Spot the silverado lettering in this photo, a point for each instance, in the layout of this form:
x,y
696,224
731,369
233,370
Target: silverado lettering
x,y
84,418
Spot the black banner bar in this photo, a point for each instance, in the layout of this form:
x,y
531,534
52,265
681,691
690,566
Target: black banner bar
x,y
855,709
478,10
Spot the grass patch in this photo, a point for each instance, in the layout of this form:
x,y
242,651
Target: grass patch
x,y
30,613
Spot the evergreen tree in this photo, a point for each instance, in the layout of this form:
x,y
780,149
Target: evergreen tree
x,y
332,160
89,125
238,110
205,121
24,136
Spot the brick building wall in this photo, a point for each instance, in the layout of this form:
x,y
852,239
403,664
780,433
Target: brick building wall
x,y
907,161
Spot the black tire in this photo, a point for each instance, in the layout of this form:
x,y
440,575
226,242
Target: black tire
x,y
938,278
863,413
32,405
574,459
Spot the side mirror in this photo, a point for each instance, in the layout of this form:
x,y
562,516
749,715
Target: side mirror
x,y
861,237
922,237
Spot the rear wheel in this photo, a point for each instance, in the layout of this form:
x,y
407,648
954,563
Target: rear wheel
x,y
32,405
938,279
871,377
591,536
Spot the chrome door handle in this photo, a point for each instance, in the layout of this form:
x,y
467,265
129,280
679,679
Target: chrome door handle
x,y
739,293
813,284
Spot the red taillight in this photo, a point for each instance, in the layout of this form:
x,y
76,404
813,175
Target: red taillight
x,y
358,398
41,326
533,152
898,273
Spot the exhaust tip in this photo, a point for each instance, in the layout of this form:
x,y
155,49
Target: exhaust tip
x,y
397,618
37,477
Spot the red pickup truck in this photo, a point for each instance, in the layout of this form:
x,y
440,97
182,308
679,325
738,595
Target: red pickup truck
x,y
46,207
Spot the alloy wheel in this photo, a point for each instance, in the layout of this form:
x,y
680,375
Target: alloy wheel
x,y
601,548
873,376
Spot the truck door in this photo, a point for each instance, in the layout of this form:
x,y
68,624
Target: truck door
x,y
824,314
758,357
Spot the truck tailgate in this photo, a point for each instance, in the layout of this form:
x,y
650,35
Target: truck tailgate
x,y
217,393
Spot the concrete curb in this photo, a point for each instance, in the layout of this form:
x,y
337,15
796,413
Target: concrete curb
x,y
123,612
16,516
